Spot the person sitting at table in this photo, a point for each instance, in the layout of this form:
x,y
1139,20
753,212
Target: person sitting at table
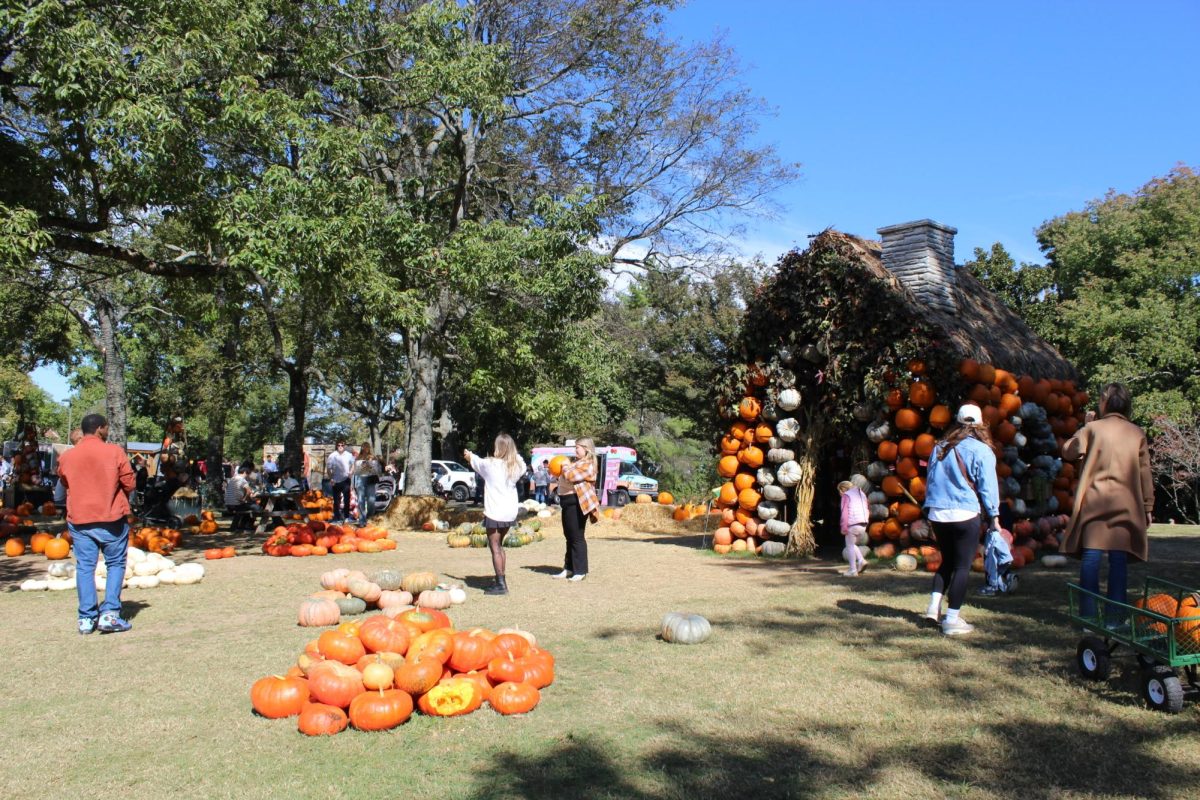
x,y
289,483
239,501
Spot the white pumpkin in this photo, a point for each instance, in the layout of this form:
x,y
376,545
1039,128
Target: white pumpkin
x,y
774,443
144,568
133,555
1054,561
877,511
101,569
61,569
150,581
777,527
544,514
878,431
765,476
60,584
787,429
906,563
767,510
862,482
458,595
776,494
788,473
189,569
780,455
101,584
167,576
33,585
789,399
165,563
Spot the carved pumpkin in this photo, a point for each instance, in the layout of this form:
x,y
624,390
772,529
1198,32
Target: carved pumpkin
x,y
452,698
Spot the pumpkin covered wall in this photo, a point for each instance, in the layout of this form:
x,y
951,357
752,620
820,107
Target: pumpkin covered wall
x,y
858,369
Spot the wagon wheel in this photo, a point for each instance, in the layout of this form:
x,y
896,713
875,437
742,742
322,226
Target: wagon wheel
x,y
1145,661
1162,690
1092,657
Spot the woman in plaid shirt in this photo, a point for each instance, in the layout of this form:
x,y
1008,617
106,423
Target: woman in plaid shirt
x,y
579,502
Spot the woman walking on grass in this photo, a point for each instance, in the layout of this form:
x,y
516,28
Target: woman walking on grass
x,y
1115,499
500,474
579,501
961,482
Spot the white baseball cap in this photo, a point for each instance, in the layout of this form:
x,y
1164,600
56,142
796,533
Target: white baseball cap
x,y
970,413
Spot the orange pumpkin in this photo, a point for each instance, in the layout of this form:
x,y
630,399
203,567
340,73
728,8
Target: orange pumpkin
x,y
749,499
886,451
892,487
908,419
727,467
939,416
923,446
57,549
751,456
742,481
749,409
921,394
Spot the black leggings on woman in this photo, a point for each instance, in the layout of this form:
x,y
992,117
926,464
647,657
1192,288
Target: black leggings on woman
x,y
958,542
574,522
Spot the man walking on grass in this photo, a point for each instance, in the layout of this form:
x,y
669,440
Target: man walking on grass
x,y
98,478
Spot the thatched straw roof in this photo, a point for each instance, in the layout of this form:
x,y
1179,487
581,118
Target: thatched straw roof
x,y
984,328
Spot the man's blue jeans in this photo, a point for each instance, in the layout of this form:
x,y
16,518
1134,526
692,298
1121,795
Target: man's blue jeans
x,y
540,493
111,538
1089,578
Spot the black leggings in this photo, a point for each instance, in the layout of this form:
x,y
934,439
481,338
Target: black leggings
x,y
958,542
574,522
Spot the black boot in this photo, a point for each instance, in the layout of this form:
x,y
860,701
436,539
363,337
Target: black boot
x,y
499,587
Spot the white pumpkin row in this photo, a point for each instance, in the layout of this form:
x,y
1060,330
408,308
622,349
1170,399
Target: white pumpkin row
x,y
181,575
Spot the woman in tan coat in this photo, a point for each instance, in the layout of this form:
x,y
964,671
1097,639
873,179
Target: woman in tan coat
x,y
1115,498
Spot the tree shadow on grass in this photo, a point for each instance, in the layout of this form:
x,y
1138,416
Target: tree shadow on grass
x,y
15,570
1035,760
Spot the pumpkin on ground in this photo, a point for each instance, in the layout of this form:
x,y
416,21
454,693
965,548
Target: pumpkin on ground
x,y
680,628
319,612
416,582
453,698
666,498
381,710
319,719
276,697
514,698
14,547
334,683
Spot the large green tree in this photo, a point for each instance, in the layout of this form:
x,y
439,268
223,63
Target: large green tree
x,y
1126,292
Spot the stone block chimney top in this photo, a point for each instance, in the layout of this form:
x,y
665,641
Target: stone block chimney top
x,y
921,255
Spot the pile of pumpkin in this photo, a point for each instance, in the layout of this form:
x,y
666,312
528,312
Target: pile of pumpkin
x,y
319,507
472,534
156,540
55,548
346,592
1029,421
315,538
204,524
1185,610
759,465
143,570
373,674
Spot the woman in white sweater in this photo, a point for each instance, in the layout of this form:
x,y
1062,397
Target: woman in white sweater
x,y
500,474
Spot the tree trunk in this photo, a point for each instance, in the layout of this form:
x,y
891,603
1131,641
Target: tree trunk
x,y
801,540
113,368
451,450
218,416
293,442
426,367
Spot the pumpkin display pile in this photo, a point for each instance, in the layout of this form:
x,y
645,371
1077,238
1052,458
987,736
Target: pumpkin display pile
x,y
54,548
373,674
473,534
143,570
318,506
1029,420
315,538
346,592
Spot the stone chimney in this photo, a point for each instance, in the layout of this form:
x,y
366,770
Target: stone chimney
x,y
921,255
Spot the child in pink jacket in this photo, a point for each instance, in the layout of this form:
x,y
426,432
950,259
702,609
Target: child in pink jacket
x,y
855,515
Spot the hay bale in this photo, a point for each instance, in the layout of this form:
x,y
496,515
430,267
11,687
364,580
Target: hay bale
x,y
410,513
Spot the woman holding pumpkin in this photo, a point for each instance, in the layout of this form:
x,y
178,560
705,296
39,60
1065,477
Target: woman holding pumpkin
x,y
1115,498
961,482
579,501
500,474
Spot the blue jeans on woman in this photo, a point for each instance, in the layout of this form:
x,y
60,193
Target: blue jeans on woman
x,y
89,540
364,490
1089,579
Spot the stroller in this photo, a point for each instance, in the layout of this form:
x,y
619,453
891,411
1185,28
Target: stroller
x,y
151,506
385,487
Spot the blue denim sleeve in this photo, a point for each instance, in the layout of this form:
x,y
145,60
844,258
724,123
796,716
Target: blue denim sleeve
x,y
985,478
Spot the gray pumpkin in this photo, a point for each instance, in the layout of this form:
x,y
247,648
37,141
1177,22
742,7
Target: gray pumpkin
x,y
351,605
877,497
773,549
679,628
878,431
387,579
877,471
776,494
788,429
777,527
767,510
862,482
765,476
878,512
780,455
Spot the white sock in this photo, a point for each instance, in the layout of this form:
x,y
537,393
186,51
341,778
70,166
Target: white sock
x,y
935,602
951,614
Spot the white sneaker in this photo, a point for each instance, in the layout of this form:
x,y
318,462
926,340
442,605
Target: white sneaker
x,y
850,573
956,627
933,615
563,574
577,577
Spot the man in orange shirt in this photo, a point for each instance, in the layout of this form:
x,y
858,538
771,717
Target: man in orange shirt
x,y
98,479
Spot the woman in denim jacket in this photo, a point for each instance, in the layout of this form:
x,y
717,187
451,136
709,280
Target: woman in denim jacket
x,y
961,477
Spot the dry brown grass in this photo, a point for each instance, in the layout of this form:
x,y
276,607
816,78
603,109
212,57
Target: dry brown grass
x,y
812,685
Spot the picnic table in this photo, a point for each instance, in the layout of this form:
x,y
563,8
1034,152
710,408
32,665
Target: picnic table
x,y
273,505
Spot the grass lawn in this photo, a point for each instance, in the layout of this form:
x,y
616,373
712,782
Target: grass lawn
x,y
813,685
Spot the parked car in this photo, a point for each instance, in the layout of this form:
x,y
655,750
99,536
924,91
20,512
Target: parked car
x,y
450,479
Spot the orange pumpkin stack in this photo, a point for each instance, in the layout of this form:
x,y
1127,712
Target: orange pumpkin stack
x,y
315,538
372,674
918,419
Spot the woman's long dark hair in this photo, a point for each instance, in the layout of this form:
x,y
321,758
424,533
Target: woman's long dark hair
x,y
960,431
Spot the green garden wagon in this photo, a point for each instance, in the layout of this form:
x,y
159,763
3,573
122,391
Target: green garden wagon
x,y
1167,647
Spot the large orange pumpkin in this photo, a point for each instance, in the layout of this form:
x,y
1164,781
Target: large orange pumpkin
x,y
886,451
751,456
57,549
727,467
749,409
749,499
921,394
923,446
906,468
742,481
968,368
14,547
939,416
1163,604
892,487
908,419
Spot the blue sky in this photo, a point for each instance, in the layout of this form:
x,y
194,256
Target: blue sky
x,y
989,116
